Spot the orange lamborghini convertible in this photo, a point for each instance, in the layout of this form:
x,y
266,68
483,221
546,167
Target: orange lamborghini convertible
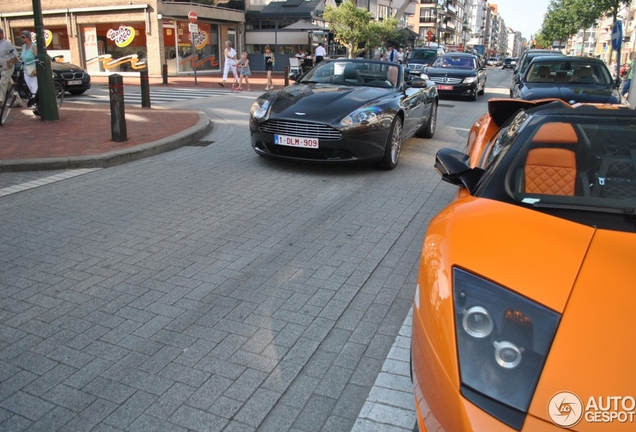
x,y
526,291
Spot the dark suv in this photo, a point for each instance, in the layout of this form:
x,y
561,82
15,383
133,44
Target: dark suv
x,y
421,57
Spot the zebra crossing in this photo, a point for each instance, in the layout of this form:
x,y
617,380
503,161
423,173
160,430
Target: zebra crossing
x,y
158,96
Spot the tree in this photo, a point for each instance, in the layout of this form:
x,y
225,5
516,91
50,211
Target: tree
x,y
354,27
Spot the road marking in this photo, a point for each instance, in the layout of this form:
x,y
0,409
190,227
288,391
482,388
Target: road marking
x,y
44,181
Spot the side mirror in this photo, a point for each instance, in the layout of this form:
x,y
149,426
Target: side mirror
x,y
454,167
417,83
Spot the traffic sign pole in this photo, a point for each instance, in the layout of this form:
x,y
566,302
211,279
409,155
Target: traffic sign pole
x,y
193,29
617,40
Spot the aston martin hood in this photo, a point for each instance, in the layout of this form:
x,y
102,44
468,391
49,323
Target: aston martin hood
x,y
589,374
322,103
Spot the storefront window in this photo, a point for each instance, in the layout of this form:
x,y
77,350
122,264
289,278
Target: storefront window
x,y
179,53
115,47
55,39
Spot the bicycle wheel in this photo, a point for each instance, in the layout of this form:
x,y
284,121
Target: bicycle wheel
x,y
9,100
59,94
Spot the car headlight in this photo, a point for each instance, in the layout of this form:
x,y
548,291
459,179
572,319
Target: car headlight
x,y
502,341
470,80
366,116
260,108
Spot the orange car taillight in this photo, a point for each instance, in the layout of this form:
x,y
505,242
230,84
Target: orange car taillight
x,y
502,343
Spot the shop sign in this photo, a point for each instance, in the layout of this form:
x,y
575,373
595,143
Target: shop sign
x,y
122,37
200,39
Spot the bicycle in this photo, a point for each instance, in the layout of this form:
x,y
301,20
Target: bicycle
x,y
20,88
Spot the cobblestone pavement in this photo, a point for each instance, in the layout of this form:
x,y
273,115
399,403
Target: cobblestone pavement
x,y
212,289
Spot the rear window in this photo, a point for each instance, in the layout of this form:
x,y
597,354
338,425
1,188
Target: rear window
x,y
423,55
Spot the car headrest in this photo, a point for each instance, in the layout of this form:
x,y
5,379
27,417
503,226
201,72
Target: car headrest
x,y
543,71
556,133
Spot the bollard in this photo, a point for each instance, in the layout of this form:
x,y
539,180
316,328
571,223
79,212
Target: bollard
x,y
145,88
117,115
286,76
164,74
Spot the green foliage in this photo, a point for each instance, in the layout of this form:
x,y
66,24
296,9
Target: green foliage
x,y
353,27
565,18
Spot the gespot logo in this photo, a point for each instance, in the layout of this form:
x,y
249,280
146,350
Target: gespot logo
x,y
565,409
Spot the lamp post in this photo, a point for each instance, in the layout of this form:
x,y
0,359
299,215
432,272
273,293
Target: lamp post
x,y
47,99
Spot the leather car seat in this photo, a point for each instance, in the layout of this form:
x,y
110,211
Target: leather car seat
x,y
551,164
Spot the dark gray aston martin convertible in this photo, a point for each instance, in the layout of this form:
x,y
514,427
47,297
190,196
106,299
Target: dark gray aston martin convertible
x,y
345,110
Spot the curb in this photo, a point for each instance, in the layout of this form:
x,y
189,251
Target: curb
x,y
115,157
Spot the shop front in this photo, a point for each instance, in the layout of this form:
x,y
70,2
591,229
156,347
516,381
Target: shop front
x,y
115,47
184,51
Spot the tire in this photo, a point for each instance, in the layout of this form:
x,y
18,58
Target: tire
x,y
9,100
473,97
59,94
428,130
77,92
393,145
483,89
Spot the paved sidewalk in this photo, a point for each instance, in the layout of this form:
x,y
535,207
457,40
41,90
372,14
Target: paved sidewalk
x,y
82,137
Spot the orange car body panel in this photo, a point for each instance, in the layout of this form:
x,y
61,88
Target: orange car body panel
x,y
586,274
576,270
459,236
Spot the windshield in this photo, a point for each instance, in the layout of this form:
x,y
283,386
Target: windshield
x,y
423,55
581,168
455,62
354,73
566,71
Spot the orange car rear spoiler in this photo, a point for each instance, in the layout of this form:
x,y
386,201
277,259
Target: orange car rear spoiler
x,y
501,110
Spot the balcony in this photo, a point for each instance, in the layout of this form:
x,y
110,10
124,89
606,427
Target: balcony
x,y
427,19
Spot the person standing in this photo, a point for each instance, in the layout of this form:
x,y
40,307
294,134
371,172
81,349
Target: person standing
x,y
29,51
320,54
8,58
400,56
230,63
628,81
391,55
269,66
244,71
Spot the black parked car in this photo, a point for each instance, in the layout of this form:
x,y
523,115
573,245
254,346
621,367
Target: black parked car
x,y
524,61
345,110
74,79
458,74
572,79
419,58
509,63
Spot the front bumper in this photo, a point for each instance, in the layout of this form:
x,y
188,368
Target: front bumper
x,y
355,144
464,90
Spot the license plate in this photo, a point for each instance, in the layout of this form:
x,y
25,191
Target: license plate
x,y
444,87
74,82
295,141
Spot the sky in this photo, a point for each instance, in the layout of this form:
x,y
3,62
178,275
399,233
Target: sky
x,y
525,16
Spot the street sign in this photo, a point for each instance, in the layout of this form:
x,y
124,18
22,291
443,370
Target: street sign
x,y
192,16
193,28
617,35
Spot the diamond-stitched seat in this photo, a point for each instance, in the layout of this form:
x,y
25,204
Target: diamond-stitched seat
x,y
551,166
550,171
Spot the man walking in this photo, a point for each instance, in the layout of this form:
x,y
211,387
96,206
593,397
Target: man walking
x,y
8,58
320,53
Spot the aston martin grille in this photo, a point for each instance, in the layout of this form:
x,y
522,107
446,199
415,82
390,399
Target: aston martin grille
x,y
300,129
446,80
